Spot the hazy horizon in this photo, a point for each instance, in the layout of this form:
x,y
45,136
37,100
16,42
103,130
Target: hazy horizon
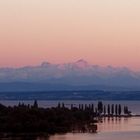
x,y
69,62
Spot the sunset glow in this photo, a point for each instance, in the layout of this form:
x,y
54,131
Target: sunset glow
x,y
103,32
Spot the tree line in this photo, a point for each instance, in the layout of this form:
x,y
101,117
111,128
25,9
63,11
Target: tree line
x,y
23,118
102,110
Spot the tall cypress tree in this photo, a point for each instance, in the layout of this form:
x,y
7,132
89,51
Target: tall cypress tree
x,y
112,109
120,110
104,110
59,105
116,109
92,107
100,107
35,104
108,109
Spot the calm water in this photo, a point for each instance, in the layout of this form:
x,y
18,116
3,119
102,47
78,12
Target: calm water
x,y
113,129
108,129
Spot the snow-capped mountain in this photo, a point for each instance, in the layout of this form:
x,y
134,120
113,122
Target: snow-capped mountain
x,y
77,73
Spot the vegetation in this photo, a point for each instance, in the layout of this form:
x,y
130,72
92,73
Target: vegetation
x,y
32,119
61,119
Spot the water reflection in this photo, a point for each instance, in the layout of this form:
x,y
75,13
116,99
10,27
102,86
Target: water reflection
x,y
19,138
42,138
119,124
25,137
108,129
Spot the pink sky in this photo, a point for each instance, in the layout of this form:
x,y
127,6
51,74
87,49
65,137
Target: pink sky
x,y
103,32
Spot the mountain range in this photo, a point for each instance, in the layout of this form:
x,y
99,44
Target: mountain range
x,y
79,75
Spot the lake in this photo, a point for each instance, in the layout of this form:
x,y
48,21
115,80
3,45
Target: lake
x,y
108,129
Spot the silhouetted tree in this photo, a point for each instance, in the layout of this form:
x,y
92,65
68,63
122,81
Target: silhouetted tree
x,y
82,107
79,107
104,110
120,110
116,109
96,111
63,105
100,107
89,107
112,109
85,106
126,111
108,109
92,107
35,105
28,106
59,105
19,104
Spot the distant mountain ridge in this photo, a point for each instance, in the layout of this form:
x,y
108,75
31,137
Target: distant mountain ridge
x,y
76,75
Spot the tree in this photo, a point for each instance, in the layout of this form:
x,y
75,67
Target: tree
x,y
120,110
59,105
35,104
79,106
63,105
85,106
116,109
108,109
100,107
104,110
112,109
82,107
92,107
126,111
19,104
96,111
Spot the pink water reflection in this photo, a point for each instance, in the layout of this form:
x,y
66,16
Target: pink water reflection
x,y
119,124
109,129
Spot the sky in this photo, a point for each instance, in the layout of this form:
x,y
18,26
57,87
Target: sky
x,y
103,32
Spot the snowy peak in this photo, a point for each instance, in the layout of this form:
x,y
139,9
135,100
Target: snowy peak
x,y
45,64
82,63
77,73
